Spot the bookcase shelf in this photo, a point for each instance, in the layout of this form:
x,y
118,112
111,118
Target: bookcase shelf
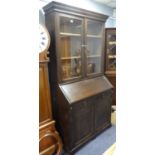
x,y
69,34
93,56
112,56
112,43
94,36
72,57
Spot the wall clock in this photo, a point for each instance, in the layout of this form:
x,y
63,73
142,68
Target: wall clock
x,y
44,41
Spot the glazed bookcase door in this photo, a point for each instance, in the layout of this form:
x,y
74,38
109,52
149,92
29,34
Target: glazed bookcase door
x,y
111,50
71,33
93,50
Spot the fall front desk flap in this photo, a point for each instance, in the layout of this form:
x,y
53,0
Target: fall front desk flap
x,y
80,90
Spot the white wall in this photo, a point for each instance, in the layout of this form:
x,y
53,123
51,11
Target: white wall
x,y
84,4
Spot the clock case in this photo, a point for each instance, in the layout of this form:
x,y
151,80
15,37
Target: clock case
x,y
49,139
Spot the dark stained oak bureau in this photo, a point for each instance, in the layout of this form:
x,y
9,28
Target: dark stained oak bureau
x,y
84,116
81,94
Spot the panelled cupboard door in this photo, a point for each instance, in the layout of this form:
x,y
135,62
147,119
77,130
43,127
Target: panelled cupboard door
x,y
44,98
82,113
102,111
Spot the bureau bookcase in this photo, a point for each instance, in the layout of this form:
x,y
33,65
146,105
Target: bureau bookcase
x,y
81,93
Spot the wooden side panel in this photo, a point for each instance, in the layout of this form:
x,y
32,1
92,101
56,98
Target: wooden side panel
x,y
64,119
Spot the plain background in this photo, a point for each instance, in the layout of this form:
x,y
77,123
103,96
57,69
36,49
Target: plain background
x,y
19,78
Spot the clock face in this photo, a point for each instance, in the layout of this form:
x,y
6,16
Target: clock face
x,y
44,40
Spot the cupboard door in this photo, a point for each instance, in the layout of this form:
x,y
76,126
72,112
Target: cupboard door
x,y
93,50
102,111
82,121
71,31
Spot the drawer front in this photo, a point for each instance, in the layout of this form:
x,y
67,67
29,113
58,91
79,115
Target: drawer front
x,y
47,140
102,110
82,121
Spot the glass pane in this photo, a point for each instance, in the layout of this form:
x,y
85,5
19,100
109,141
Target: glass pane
x,y
94,28
94,46
70,48
70,25
93,65
94,54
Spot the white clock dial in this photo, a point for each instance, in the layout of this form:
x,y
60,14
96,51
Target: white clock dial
x,y
44,39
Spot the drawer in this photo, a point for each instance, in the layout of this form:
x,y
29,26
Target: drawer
x,y
47,139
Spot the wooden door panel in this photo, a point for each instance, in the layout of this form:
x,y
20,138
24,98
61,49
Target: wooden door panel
x,y
102,110
82,121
